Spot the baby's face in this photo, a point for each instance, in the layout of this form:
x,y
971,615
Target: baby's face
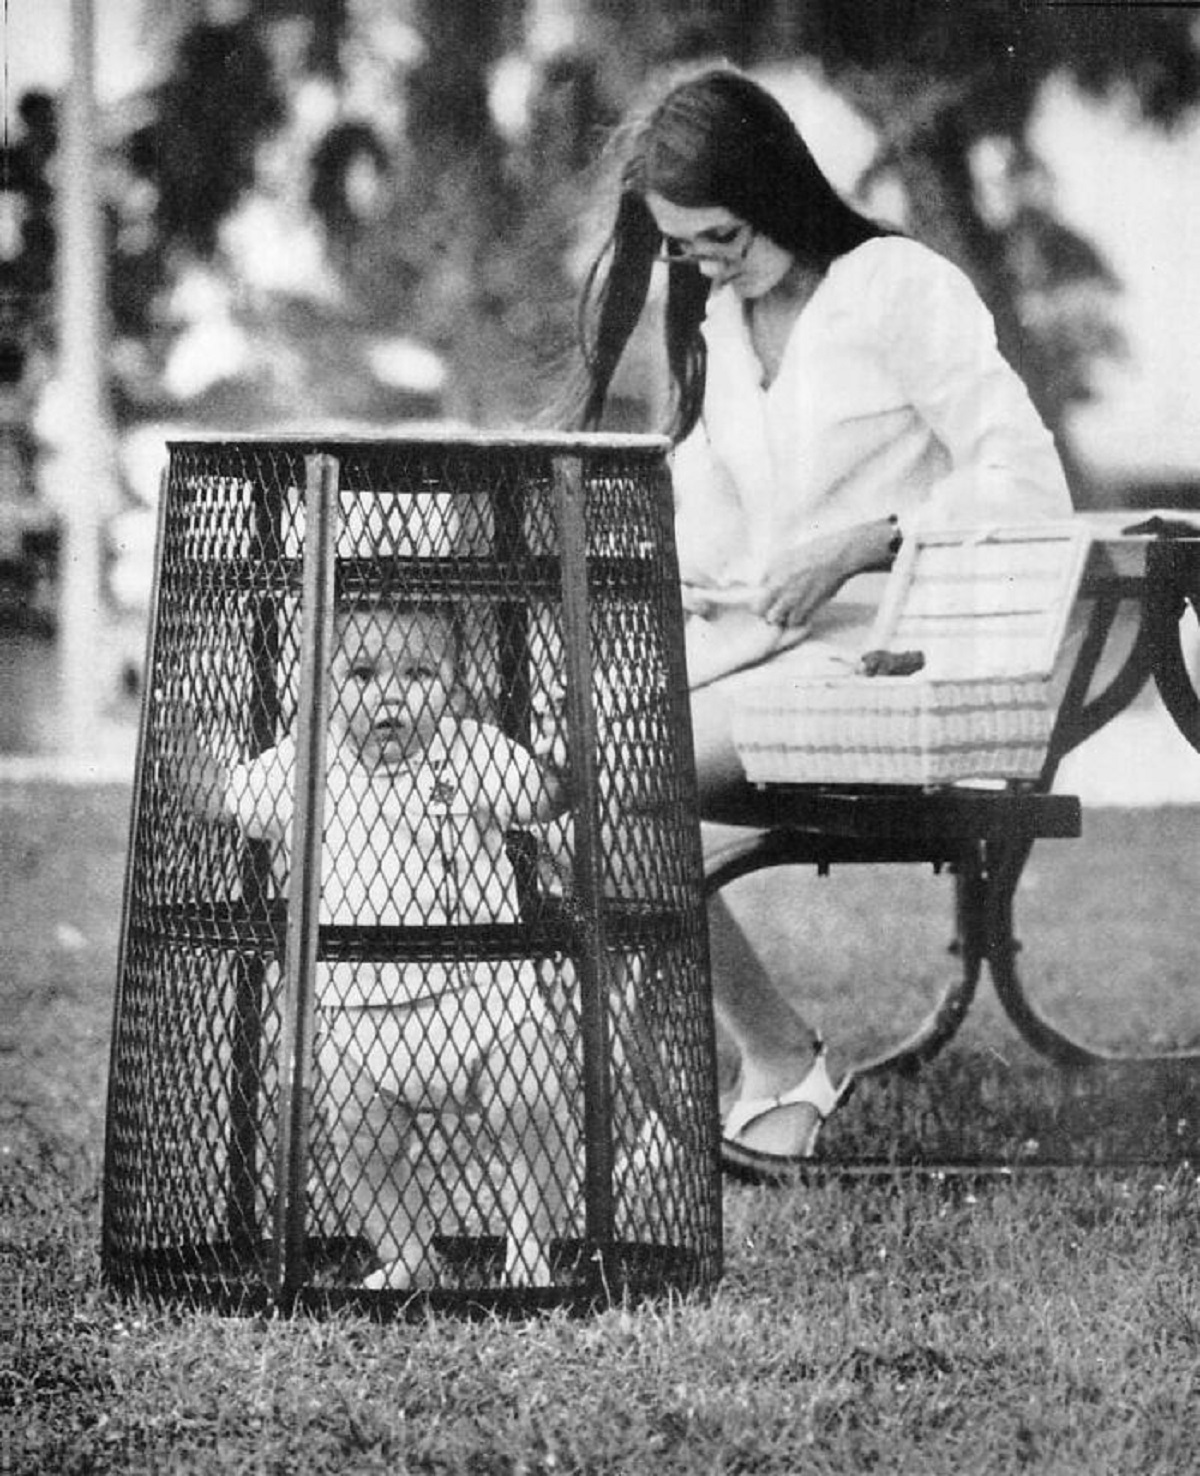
x,y
393,680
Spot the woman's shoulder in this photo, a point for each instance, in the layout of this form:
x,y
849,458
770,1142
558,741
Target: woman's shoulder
x,y
895,254
893,260
894,286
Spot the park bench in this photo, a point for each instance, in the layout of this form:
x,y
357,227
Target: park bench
x,y
984,835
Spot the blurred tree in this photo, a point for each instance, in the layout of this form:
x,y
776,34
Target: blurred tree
x,y
427,265
210,113
425,219
28,249
349,172
442,227
939,82
28,238
187,161
191,159
28,254
454,223
472,251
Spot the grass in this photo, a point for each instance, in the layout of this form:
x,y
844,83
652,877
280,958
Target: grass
x,y
1037,1320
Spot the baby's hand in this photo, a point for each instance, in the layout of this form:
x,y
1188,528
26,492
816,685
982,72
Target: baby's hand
x,y
549,724
549,747
190,770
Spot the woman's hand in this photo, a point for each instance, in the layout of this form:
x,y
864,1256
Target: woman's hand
x,y
803,578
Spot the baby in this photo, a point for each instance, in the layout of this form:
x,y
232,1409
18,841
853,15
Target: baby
x,y
419,796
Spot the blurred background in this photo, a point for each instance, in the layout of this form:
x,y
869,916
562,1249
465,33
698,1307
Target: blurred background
x,y
357,215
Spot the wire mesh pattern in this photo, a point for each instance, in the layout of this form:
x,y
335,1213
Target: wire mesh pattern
x,y
413,1001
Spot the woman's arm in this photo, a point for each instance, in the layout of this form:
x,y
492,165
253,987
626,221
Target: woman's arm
x,y
920,320
804,577
939,340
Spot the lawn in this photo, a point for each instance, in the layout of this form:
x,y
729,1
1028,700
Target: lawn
x,y
1043,1318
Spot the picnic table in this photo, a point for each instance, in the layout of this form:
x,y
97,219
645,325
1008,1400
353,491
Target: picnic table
x,y
984,834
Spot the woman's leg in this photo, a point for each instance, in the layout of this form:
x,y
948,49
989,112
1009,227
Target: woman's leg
x,y
776,1043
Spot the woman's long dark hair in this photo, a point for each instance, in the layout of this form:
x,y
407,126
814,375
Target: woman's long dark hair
x,y
717,139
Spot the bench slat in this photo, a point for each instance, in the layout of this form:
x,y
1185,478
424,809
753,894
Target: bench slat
x,y
914,820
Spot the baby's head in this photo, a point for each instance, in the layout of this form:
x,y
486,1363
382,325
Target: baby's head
x,y
395,678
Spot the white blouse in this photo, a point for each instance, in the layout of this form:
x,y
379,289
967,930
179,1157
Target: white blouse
x,y
891,398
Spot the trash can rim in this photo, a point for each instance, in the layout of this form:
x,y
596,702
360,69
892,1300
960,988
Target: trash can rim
x,y
484,439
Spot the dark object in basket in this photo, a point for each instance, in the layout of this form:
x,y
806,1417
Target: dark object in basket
x,y
891,663
1160,527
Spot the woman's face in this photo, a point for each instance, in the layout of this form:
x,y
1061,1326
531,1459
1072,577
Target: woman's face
x,y
725,248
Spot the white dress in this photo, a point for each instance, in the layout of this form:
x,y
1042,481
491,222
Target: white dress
x,y
891,398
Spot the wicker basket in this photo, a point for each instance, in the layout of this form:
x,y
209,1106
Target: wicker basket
x,y
989,613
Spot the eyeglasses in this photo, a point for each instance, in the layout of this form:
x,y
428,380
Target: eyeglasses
x,y
725,245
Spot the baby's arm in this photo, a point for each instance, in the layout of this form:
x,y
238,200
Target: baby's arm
x,y
199,779
520,788
515,786
255,795
548,792
553,790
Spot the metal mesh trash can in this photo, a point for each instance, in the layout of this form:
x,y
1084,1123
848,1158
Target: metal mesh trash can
x,y
413,1004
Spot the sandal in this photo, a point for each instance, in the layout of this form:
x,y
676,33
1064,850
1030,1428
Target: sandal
x,y
758,1167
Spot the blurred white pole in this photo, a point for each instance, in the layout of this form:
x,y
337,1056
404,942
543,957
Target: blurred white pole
x,y
85,490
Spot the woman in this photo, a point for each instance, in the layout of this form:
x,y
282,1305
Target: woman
x,y
833,382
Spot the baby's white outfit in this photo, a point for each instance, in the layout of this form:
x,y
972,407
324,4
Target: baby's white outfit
x,y
422,846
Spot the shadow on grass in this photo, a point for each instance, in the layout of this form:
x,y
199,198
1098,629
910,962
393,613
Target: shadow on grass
x,y
972,1109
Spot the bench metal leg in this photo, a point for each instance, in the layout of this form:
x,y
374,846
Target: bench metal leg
x,y
1005,864
764,850
1004,872
941,1024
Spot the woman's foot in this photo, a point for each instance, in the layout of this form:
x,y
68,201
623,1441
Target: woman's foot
x,y
768,1139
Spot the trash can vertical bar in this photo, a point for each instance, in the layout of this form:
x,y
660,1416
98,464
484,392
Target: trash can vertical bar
x,y
593,961
304,882
249,970
107,1216
512,615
